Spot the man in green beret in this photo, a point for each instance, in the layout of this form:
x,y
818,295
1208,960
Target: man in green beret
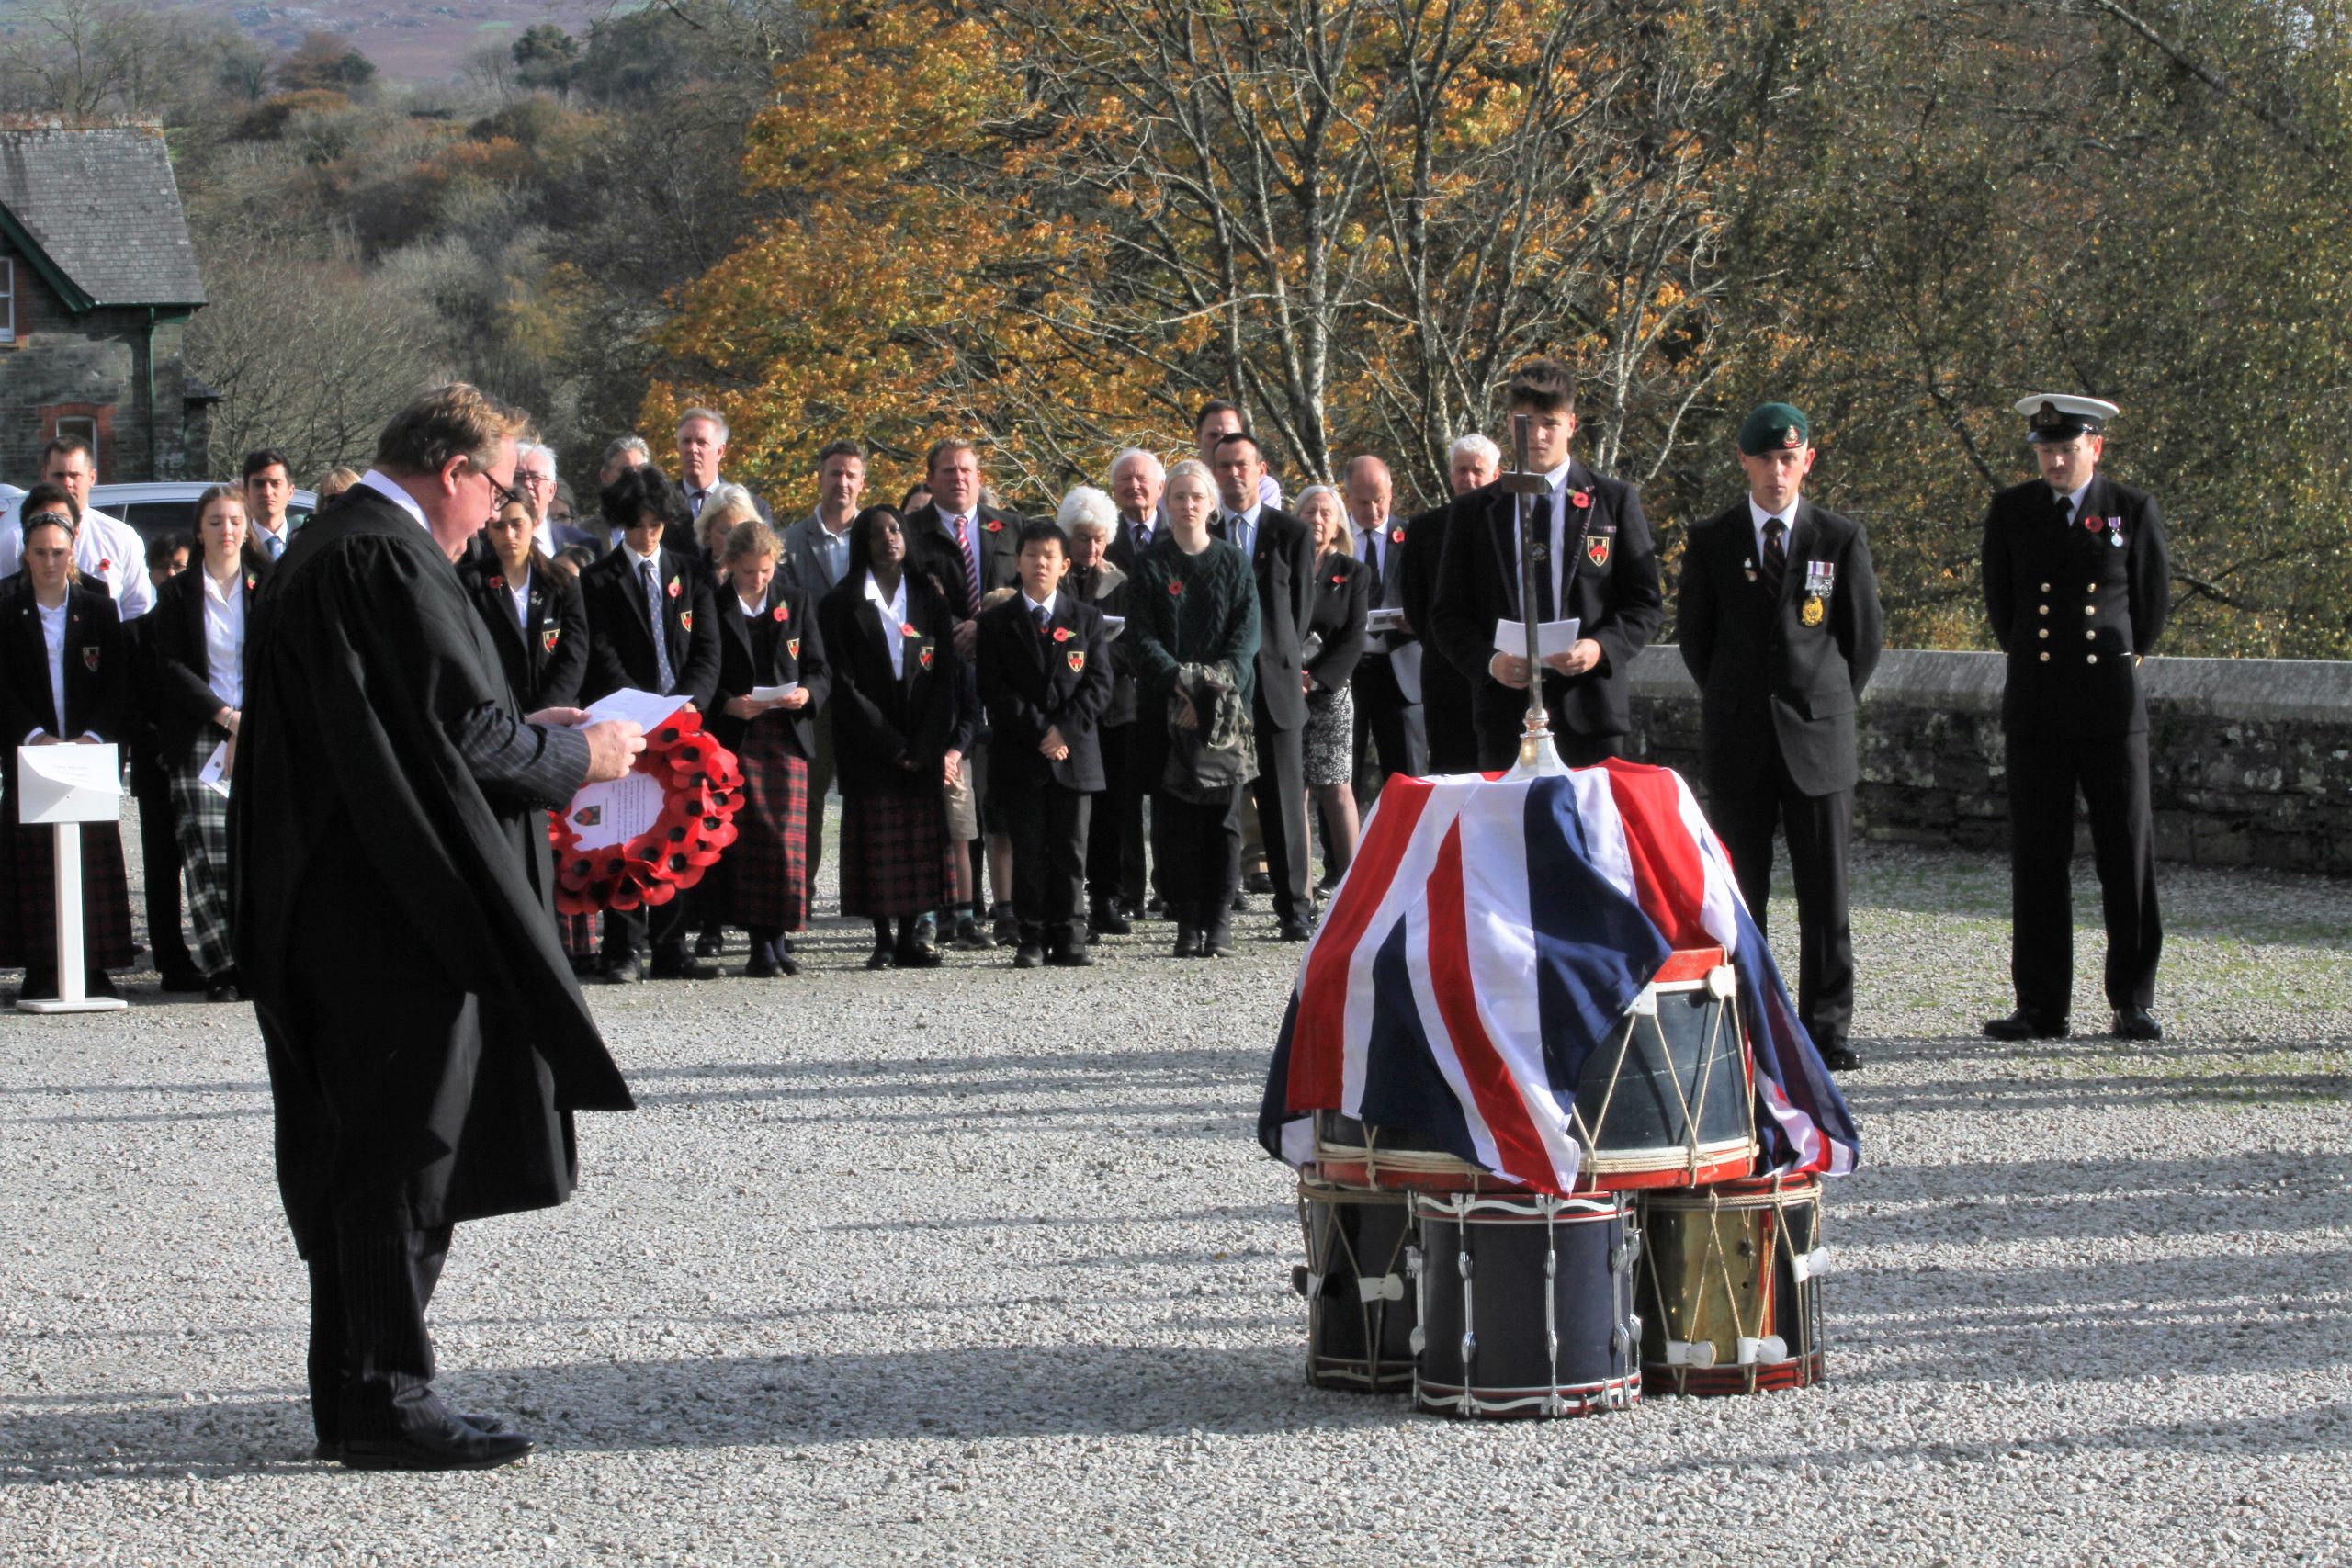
x,y
1779,625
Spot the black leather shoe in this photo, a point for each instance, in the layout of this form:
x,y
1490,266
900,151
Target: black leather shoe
x,y
785,963
1030,956
1155,907
1108,922
1073,956
2135,1023
624,971
1295,929
710,945
98,983
917,955
458,1446
1007,931
1242,903
1258,882
881,958
1218,941
969,938
2026,1023
184,981
226,991
1188,939
1837,1055
763,966
682,968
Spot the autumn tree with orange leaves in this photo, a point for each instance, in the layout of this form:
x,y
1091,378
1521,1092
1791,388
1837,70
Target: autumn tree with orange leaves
x,y
1064,225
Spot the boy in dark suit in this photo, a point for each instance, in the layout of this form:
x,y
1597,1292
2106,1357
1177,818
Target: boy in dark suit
x,y
1779,624
653,627
1594,564
1044,674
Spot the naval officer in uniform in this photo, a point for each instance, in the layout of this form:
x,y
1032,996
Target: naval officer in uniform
x,y
2077,587
1779,622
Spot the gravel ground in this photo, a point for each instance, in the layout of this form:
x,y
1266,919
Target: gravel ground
x,y
983,1266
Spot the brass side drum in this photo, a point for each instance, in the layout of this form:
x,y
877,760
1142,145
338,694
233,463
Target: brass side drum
x,y
1730,1294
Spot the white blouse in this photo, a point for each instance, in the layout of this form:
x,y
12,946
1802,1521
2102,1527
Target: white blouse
x,y
224,638
894,615
52,631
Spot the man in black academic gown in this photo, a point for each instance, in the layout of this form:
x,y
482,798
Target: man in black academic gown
x,y
1779,622
427,1044
1594,564
2077,586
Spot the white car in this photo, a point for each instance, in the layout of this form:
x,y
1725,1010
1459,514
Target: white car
x,y
163,508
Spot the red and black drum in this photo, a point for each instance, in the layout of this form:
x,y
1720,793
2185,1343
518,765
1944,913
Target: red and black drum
x,y
1526,1304
1348,1153
1669,1099
1359,1303
1730,1302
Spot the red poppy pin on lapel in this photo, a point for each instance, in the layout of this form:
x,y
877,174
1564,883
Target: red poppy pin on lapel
x,y
1581,498
1339,579
1396,536
783,614
673,588
1177,586
105,566
994,525
498,582
906,629
1061,633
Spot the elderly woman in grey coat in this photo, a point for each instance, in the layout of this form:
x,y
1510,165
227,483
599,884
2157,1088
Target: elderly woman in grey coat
x,y
1114,841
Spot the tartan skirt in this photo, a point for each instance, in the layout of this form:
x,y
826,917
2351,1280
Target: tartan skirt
x,y
200,817
766,870
579,934
895,859
29,897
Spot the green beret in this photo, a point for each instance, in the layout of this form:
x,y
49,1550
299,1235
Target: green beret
x,y
1773,428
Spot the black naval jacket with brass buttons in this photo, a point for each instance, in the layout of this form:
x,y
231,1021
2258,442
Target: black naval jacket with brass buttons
x,y
2075,606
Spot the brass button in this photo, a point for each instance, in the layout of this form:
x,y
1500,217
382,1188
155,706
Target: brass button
x,y
2090,609
2045,609
2090,587
2089,636
2045,656
2090,658
2045,588
2043,632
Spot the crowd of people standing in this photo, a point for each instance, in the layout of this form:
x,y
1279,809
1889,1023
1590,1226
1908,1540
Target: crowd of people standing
x,y
1153,704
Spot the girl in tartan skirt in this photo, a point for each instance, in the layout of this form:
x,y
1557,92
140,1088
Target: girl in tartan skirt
x,y
197,632
902,719
767,637
63,681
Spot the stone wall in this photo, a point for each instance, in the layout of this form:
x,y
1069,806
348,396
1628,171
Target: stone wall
x,y
2250,758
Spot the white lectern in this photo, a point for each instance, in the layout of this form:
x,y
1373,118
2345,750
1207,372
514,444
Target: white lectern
x,y
65,786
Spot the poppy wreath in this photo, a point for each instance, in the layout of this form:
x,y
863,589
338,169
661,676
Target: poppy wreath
x,y
702,788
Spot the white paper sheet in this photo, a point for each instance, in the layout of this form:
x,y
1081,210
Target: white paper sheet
x,y
617,810
1383,622
1405,663
646,709
771,694
214,774
1551,638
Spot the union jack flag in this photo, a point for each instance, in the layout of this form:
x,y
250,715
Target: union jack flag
x,y
1489,935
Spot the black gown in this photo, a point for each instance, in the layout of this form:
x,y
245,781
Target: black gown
x,y
427,1040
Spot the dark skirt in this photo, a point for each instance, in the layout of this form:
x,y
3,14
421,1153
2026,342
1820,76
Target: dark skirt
x,y
766,870
579,934
29,897
201,815
896,858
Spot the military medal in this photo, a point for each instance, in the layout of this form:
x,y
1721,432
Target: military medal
x,y
1811,613
1749,566
1820,576
2115,531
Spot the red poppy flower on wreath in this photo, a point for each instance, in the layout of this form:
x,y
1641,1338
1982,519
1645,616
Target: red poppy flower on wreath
x,y
498,582
1582,498
783,613
673,588
907,628
1061,633
701,789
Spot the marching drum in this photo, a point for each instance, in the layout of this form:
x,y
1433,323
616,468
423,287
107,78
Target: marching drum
x,y
1359,1305
1354,1155
1728,1299
1669,1099
1526,1306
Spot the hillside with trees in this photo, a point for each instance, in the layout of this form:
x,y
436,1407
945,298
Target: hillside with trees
x,y
1061,226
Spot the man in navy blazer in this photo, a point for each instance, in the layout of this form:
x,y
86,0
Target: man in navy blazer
x,y
1044,676
1594,563
1779,622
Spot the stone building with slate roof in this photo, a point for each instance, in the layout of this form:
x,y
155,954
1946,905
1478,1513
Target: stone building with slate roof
x,y
97,281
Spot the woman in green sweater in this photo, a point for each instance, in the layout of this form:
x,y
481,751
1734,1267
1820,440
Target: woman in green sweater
x,y
1192,614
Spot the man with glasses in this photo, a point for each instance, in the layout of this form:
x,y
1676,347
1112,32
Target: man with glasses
x,y
535,476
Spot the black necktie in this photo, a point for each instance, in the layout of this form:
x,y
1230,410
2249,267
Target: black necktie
x,y
1041,614
1776,557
